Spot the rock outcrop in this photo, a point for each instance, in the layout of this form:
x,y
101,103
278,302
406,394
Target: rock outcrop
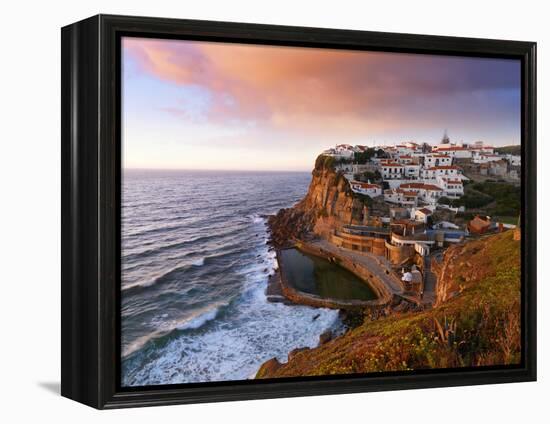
x,y
268,368
328,203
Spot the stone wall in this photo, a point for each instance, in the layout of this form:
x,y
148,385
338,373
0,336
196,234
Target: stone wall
x,y
384,296
398,254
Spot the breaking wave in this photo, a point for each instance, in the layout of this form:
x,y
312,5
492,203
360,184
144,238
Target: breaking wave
x,y
193,288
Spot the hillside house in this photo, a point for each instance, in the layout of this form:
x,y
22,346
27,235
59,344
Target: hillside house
x,y
391,170
422,215
406,160
411,171
441,171
341,151
452,187
437,159
368,189
428,193
485,158
513,160
401,197
458,152
479,225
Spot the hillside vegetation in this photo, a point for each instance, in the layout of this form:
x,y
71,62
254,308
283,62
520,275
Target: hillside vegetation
x,y
496,199
477,322
512,150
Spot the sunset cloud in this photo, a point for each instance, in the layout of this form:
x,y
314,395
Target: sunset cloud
x,y
304,92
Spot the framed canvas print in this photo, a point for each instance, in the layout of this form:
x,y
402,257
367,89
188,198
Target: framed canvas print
x,y
253,211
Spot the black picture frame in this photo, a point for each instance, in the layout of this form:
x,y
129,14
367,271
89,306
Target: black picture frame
x,y
90,183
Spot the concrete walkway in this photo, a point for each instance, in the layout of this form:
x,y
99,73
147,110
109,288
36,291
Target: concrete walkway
x,y
376,265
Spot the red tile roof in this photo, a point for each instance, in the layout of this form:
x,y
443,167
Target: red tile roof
x,y
421,186
407,193
435,168
365,185
451,148
400,191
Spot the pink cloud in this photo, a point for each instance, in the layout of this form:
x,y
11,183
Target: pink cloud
x,y
314,89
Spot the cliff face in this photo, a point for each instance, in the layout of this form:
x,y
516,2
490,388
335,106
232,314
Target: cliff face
x,y
328,203
476,322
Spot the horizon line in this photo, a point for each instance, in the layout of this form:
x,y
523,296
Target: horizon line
x,y
211,169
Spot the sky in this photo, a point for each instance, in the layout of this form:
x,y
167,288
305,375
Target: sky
x,y
206,105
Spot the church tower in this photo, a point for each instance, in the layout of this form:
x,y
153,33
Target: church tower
x,y
445,139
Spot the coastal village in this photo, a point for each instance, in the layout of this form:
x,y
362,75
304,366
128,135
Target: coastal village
x,y
434,230
422,186
415,200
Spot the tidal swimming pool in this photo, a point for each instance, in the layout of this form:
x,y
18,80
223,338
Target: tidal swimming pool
x,y
313,275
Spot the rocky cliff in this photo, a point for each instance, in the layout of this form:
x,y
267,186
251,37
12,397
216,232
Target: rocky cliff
x,y
475,323
329,203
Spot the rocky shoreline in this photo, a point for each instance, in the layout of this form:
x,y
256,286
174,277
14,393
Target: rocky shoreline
x,y
276,293
352,314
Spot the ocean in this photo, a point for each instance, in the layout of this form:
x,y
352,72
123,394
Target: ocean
x,y
195,266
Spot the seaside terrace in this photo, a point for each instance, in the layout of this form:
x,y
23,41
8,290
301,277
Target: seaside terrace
x,y
362,238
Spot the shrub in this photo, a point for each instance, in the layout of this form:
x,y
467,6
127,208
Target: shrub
x,y
325,162
366,200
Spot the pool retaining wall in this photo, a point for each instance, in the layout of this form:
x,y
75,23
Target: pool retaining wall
x,y
384,296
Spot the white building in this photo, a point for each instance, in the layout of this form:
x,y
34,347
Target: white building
x,y
514,160
485,158
479,146
452,187
458,152
445,225
422,215
406,160
412,145
391,170
441,171
341,151
401,197
437,159
368,189
405,149
411,171
428,193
